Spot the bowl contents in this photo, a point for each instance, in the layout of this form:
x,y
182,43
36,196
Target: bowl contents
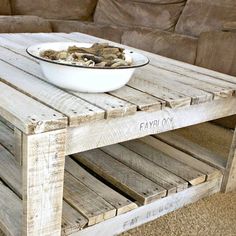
x,y
98,55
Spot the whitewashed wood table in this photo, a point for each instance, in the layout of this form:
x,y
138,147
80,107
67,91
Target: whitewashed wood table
x,y
42,124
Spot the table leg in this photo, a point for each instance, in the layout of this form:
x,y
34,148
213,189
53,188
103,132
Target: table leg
x,y
229,180
43,177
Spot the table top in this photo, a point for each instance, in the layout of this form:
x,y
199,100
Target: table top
x,y
35,106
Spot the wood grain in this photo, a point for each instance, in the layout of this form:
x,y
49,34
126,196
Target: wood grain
x,y
153,210
157,174
106,102
72,220
121,203
175,153
163,79
43,173
145,123
76,109
172,98
7,137
121,176
27,114
11,172
10,212
163,160
94,208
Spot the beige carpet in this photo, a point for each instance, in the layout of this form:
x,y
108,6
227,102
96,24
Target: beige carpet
x,y
212,216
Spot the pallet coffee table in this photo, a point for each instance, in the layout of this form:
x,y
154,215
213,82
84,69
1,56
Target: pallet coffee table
x,y
94,164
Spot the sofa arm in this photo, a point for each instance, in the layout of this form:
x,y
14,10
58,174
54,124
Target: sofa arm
x,y
229,26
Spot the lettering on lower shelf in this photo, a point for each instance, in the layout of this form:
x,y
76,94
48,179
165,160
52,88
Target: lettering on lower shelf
x,y
156,124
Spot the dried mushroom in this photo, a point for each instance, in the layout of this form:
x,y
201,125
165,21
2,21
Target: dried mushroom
x,y
99,55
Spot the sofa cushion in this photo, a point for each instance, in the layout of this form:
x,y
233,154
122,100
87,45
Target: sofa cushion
x,y
55,9
229,26
23,24
205,15
101,31
139,13
217,51
5,7
167,44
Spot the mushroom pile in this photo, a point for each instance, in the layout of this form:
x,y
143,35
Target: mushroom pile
x,y
98,55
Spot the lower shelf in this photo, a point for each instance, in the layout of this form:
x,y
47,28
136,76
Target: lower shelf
x,y
115,188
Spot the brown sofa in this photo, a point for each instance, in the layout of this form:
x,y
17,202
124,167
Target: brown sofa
x,y
201,32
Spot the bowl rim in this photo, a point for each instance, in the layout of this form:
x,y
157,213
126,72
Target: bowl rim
x,y
85,67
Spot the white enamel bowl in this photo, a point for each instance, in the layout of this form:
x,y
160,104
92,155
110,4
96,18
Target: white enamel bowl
x,y
81,78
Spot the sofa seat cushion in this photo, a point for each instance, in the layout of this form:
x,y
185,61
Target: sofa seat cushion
x,y
55,9
101,31
167,44
23,24
130,13
217,51
205,15
5,7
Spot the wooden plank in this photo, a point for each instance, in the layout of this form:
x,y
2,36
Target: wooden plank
x,y
11,172
165,80
72,220
216,88
145,123
27,114
208,170
156,156
143,101
75,108
127,180
109,103
198,77
194,71
10,212
94,208
173,99
14,47
148,169
121,203
113,106
43,173
153,210
6,123
6,137
18,139
193,149
229,183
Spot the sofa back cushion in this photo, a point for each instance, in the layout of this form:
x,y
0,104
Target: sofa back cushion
x,y
147,13
217,51
55,9
23,24
168,44
107,32
205,15
5,7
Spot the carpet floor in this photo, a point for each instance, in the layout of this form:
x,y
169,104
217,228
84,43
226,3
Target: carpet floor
x,y
212,216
